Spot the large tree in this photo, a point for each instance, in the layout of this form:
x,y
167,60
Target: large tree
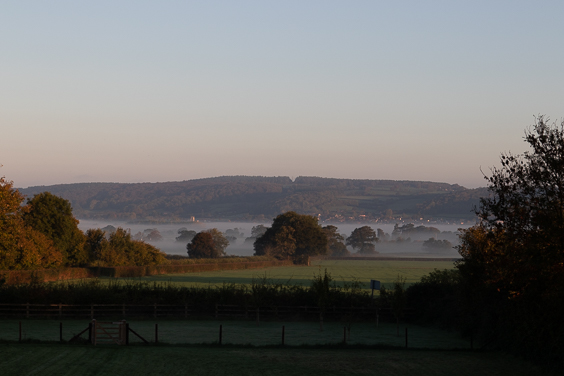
x,y
363,239
513,261
52,216
335,241
292,236
220,242
202,246
21,247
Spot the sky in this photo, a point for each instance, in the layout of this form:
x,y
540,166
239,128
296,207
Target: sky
x,y
148,91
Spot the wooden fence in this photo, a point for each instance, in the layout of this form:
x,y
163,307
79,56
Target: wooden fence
x,y
184,311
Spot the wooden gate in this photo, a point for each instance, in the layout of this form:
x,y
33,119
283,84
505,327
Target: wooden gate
x,y
109,332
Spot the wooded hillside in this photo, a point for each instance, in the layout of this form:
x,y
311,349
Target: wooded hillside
x,y
256,198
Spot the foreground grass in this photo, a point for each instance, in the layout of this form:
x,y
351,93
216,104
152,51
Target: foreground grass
x,y
54,359
343,271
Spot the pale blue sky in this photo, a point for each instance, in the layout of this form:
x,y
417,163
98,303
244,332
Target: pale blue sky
x,y
133,91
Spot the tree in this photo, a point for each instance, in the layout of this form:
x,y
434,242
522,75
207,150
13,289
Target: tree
x,y
154,236
52,216
95,243
203,246
363,239
513,261
258,231
437,245
184,236
220,242
292,236
335,245
21,247
120,249
526,210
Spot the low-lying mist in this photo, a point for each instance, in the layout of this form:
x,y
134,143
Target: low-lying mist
x,y
240,247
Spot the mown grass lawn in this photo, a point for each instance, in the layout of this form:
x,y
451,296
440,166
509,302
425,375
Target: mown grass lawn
x,y
342,271
54,359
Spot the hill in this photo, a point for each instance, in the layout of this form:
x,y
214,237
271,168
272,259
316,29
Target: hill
x,y
262,198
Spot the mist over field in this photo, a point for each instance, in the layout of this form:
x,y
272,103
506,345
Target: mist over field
x,y
239,247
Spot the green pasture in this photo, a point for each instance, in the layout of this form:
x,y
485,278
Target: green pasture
x,y
249,332
342,271
61,360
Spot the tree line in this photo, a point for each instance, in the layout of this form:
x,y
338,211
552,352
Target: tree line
x,y
43,233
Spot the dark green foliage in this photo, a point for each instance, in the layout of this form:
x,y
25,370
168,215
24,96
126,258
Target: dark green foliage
x,y
513,262
119,249
52,216
362,239
220,242
437,245
436,299
203,246
414,232
292,236
335,245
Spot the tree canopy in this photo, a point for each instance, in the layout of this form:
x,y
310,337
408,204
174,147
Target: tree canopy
x,y
513,261
292,236
220,242
363,239
21,246
207,244
52,216
202,246
335,241
117,248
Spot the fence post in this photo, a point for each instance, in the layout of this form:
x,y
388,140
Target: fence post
x,y
283,334
155,311
92,311
60,310
94,332
156,334
220,333
60,332
90,332
406,338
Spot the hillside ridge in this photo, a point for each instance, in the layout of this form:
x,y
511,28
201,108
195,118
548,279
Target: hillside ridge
x,y
252,198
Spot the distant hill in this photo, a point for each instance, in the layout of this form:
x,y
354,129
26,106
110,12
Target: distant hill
x,y
257,198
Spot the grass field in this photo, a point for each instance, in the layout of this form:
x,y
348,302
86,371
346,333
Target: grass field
x,y
249,333
342,271
54,359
